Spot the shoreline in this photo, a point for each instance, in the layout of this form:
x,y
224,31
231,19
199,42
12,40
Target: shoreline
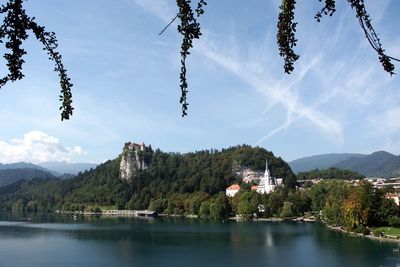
x,y
132,213
370,236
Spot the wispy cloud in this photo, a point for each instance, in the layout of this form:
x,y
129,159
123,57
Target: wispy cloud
x,y
36,146
273,90
160,9
388,122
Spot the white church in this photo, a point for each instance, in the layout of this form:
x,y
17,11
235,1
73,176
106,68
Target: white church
x,y
266,185
267,182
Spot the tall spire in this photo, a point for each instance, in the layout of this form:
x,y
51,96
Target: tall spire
x,y
267,183
266,173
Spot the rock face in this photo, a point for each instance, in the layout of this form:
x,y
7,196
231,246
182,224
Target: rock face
x,y
131,160
248,175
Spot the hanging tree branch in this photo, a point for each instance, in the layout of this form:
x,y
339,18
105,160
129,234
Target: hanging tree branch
x,y
14,29
169,24
287,28
286,34
328,9
369,32
190,29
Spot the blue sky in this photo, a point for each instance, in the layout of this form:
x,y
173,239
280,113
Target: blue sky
x,y
126,82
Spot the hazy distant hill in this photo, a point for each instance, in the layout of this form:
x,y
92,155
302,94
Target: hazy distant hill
x,y
26,165
9,176
323,161
21,165
65,167
377,164
380,164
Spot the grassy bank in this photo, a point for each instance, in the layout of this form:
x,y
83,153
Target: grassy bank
x,y
393,232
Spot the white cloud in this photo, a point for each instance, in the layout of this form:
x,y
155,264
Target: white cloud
x,y
36,146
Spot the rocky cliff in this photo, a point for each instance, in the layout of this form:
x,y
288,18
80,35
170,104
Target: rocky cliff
x,y
248,175
131,160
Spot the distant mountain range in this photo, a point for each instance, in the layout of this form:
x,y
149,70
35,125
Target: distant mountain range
x,y
68,168
10,173
377,164
9,176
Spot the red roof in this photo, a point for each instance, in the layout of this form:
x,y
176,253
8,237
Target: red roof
x,y
234,187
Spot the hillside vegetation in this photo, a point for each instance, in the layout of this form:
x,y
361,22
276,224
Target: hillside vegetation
x,y
331,173
169,179
9,176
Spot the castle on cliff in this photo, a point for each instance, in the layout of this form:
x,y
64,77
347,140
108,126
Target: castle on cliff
x,y
131,160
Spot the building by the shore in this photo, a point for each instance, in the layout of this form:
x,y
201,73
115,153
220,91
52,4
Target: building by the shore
x,y
232,190
394,196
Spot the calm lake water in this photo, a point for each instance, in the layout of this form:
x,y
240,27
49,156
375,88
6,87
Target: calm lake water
x,y
58,240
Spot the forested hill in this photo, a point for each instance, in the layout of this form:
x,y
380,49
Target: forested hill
x,y
168,176
331,173
9,176
377,164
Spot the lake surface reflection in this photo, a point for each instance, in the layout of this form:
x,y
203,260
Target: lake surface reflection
x,y
59,240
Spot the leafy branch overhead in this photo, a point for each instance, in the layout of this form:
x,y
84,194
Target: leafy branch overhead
x,y
287,27
13,31
190,29
16,24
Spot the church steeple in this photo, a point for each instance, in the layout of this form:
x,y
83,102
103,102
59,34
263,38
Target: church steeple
x,y
267,182
266,173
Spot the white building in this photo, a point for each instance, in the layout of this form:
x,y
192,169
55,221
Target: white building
x,y
267,182
395,197
232,190
266,185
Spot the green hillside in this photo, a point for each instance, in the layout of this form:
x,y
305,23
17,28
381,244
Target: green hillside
x,y
169,176
9,176
331,173
379,164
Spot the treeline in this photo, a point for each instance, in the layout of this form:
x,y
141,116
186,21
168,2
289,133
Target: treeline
x,y
246,203
331,173
353,207
9,176
169,175
339,203
195,183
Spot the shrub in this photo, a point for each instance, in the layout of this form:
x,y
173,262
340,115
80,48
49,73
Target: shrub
x,y
394,221
378,232
366,231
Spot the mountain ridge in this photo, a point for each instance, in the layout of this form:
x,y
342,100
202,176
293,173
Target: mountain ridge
x,y
10,176
376,164
13,172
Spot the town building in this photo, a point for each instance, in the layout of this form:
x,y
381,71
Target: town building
x,y
232,190
395,197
